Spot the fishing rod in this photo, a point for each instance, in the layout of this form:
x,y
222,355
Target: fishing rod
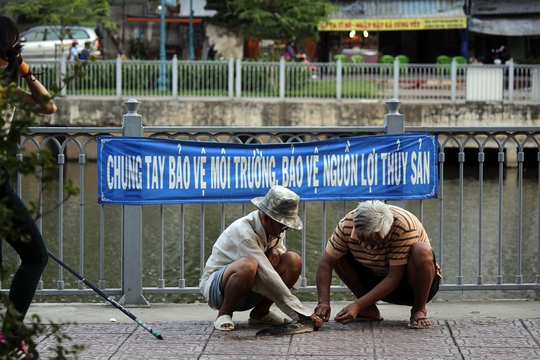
x,y
106,297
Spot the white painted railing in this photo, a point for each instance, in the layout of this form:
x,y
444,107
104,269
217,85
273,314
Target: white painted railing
x,y
484,226
236,79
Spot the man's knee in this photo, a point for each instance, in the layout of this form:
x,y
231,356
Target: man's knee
x,y
421,254
247,266
244,268
291,260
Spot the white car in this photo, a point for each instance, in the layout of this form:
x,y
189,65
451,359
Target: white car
x,y
43,42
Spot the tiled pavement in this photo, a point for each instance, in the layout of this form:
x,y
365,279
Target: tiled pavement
x,y
484,330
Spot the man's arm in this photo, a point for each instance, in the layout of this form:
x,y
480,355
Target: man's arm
x,y
269,283
38,95
324,279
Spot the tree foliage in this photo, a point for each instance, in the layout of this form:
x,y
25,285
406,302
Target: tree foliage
x,y
65,13
274,19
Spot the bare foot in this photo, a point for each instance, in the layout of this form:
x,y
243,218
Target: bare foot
x,y
419,319
371,312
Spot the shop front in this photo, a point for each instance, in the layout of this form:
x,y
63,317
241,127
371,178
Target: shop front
x,y
419,30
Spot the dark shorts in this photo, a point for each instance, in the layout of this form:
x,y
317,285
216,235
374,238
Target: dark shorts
x,y
215,297
403,294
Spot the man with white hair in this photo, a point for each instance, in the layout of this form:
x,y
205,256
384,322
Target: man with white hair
x,y
381,252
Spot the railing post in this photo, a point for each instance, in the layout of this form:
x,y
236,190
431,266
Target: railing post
x,y
119,76
282,78
510,80
231,78
175,77
394,123
238,78
63,75
453,81
396,78
132,225
338,79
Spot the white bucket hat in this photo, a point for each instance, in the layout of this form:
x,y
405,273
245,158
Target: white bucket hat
x,y
281,204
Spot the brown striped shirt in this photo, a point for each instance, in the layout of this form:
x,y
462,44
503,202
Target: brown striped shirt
x,y
393,250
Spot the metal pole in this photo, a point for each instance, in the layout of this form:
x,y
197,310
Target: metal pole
x,y
119,76
394,122
338,79
453,81
132,226
162,81
282,79
510,80
396,78
238,78
231,78
191,53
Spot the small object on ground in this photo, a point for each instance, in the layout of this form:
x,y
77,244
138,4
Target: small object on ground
x,y
106,297
224,320
295,327
112,320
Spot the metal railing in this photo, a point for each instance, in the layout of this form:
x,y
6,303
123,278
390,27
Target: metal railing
x,y
484,226
236,79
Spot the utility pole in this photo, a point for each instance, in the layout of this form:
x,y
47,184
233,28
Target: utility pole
x,y
191,54
162,81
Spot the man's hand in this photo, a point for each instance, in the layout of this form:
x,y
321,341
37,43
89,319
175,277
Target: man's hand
x,y
317,321
323,311
347,314
273,257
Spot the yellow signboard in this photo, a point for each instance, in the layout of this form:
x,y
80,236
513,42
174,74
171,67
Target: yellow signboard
x,y
394,24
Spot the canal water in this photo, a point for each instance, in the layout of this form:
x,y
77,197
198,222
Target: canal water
x,y
317,230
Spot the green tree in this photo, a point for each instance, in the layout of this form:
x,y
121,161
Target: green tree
x,y
65,13
275,19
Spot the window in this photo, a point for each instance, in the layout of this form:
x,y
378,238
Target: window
x,y
52,35
78,34
35,35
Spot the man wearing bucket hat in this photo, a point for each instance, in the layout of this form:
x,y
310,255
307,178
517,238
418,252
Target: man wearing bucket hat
x,y
250,269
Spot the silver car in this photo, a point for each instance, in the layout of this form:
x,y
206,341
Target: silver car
x,y
43,42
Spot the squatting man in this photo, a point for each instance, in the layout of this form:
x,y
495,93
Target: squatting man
x,y
250,268
381,252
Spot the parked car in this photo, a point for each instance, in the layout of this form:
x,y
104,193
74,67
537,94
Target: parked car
x,y
43,42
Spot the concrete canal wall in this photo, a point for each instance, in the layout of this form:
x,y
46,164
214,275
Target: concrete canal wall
x,y
303,112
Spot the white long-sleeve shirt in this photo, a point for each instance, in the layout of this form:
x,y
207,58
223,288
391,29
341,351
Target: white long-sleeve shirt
x,y
246,238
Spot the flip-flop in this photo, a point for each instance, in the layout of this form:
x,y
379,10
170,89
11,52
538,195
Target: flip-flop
x,y
417,326
269,319
222,320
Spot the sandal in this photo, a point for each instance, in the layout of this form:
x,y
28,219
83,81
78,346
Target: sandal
x,y
418,326
223,320
269,319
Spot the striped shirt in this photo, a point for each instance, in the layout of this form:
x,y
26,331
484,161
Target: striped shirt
x,y
393,250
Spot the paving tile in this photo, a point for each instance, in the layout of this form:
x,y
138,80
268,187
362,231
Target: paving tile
x,y
463,339
242,342
472,353
354,340
533,326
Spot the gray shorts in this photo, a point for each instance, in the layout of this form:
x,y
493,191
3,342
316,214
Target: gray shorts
x,y
215,296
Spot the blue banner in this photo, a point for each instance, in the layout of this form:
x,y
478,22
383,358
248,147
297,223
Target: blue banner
x,y
141,170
